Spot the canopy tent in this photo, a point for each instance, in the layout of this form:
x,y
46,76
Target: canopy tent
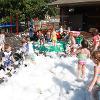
x,y
60,47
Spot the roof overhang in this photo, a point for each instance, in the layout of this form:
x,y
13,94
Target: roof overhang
x,y
75,2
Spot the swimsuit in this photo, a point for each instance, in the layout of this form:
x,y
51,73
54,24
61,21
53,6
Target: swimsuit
x,y
53,36
82,58
98,84
41,37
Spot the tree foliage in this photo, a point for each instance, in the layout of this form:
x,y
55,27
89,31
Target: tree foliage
x,y
26,8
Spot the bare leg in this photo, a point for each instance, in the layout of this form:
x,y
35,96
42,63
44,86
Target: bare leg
x,y
54,43
83,71
40,42
79,70
43,41
69,50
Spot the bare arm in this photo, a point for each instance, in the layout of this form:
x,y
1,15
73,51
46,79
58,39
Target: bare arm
x,y
94,79
3,60
73,42
78,50
89,54
12,58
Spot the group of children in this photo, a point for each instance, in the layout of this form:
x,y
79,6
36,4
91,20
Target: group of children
x,y
81,52
8,56
50,36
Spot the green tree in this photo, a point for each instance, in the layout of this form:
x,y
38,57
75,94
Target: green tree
x,y
26,8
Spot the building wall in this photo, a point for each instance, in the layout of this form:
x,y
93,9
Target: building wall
x,y
64,16
80,17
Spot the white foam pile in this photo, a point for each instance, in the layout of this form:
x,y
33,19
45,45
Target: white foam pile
x,y
46,79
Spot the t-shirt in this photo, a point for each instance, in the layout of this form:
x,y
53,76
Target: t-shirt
x,y
7,55
96,39
25,47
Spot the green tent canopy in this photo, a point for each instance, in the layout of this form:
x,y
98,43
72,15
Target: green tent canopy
x,y
60,47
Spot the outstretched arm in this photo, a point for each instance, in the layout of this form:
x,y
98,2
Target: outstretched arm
x,y
89,55
94,79
78,50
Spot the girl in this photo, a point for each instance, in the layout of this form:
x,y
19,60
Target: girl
x,y
72,43
54,37
95,84
83,53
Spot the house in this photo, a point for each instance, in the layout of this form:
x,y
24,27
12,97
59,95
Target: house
x,y
79,14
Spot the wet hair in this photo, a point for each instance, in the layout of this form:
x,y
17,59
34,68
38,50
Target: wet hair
x,y
84,43
96,55
24,40
6,46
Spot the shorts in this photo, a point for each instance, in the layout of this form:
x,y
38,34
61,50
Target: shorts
x,y
82,62
7,63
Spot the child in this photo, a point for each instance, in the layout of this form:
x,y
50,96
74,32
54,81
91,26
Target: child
x,y
83,53
25,46
54,37
31,52
96,42
41,37
72,43
48,35
95,84
7,57
79,40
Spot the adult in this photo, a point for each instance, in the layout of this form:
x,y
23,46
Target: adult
x,y
31,33
2,41
72,43
61,30
96,42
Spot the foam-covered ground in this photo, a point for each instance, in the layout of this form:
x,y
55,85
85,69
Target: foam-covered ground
x,y
49,78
